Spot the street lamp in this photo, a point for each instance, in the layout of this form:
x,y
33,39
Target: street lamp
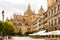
x,y
3,15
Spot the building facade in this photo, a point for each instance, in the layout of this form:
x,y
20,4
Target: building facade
x,y
35,22
51,18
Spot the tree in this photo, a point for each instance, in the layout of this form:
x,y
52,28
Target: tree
x,y
1,26
27,33
19,33
8,29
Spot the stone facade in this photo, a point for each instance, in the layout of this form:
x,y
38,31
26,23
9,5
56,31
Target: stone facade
x,y
51,18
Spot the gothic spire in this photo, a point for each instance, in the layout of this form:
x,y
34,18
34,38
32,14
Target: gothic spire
x,y
28,11
29,7
41,11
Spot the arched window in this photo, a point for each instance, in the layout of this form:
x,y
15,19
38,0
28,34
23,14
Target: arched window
x,y
59,7
23,19
26,24
55,21
52,23
55,1
49,24
55,10
20,24
49,14
52,11
58,20
28,29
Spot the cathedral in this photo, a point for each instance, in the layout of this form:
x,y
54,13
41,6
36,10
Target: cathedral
x,y
23,23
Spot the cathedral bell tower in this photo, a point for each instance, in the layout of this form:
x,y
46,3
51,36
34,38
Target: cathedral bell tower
x,y
28,12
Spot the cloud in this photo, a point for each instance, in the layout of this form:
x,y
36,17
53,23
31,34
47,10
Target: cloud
x,y
19,6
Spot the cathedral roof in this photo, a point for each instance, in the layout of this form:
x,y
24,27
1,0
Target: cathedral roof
x,y
41,11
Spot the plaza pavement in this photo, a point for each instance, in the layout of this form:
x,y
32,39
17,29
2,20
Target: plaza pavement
x,y
24,38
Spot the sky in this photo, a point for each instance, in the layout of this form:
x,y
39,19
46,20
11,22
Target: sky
x,y
11,7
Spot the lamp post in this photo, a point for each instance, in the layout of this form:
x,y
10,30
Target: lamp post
x,y
3,20
3,15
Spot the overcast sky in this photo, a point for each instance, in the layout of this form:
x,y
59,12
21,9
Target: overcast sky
x,y
19,6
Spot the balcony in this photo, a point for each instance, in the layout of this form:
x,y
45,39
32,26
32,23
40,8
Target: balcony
x,y
52,28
